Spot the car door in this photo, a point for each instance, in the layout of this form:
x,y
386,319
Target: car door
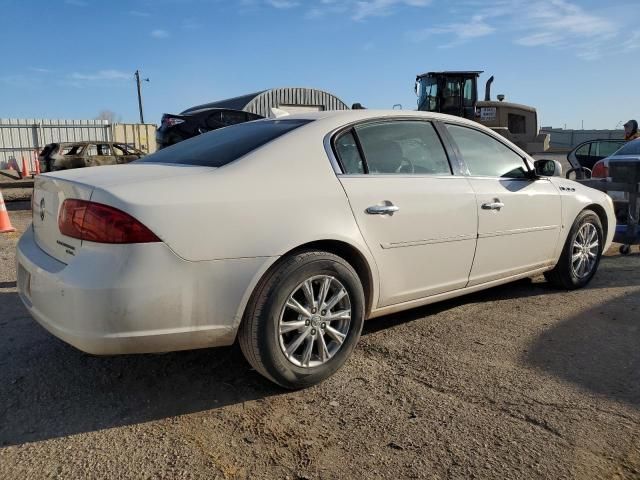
x,y
73,156
122,154
519,215
588,153
417,218
104,155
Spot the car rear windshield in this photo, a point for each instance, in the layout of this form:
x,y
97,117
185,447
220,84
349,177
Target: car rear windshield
x,y
223,146
631,148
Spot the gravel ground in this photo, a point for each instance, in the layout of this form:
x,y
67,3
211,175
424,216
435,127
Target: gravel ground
x,y
521,381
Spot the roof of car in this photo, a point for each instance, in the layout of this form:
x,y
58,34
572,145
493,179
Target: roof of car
x,y
235,103
349,115
209,109
335,119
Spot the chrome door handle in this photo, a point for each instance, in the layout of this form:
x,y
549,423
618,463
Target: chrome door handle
x,y
387,209
492,206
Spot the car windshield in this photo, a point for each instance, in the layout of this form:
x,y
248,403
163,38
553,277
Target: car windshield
x,y
631,148
223,146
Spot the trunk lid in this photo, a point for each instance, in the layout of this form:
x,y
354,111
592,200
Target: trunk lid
x,y
51,190
48,195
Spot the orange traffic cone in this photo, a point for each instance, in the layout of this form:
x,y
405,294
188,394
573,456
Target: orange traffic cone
x,y
24,171
5,222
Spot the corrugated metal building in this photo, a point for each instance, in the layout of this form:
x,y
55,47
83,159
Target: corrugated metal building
x,y
292,100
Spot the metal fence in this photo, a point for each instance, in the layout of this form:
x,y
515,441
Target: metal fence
x,y
23,138
567,139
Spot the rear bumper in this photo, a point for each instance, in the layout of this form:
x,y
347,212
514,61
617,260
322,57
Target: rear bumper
x,y
120,299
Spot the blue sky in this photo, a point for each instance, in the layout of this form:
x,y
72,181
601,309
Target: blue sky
x,y
573,60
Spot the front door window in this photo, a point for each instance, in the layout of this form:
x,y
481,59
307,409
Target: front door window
x,y
486,156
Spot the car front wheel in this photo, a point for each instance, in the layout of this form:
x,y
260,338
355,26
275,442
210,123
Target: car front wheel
x,y
581,253
304,319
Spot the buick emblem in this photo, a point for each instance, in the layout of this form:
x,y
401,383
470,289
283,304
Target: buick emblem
x,y
42,209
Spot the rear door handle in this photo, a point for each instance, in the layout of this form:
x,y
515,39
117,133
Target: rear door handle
x,y
495,205
387,209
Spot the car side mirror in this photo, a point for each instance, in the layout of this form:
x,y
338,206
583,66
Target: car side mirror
x,y
548,168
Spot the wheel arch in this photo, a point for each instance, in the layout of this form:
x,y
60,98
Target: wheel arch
x,y
353,256
602,215
345,250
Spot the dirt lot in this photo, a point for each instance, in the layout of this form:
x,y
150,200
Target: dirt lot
x,y
521,381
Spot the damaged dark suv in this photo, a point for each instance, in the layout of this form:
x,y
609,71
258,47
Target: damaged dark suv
x,y
176,128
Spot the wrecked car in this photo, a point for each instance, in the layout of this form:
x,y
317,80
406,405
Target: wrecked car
x,y
64,156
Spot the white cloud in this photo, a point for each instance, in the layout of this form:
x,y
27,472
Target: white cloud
x,y
20,80
159,33
355,9
101,75
632,42
460,31
532,23
367,47
190,24
380,8
283,3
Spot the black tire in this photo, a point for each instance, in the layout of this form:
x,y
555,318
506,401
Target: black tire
x,y
259,334
563,275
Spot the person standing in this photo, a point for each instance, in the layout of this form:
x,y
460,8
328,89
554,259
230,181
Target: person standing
x,y
631,130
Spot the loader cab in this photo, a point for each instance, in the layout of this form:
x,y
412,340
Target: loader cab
x,y
454,93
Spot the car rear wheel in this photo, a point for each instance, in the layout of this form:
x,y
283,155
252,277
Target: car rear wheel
x,y
304,319
581,253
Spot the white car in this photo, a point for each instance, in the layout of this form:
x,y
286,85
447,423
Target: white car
x,y
289,233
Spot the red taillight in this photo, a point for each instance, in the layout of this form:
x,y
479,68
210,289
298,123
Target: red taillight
x,y
171,121
600,170
99,223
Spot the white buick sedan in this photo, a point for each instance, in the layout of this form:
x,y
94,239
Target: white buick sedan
x,y
289,233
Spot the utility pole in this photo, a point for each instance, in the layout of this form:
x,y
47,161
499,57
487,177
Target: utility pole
x,y
138,81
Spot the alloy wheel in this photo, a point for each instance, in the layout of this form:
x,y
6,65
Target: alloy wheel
x,y
584,255
315,321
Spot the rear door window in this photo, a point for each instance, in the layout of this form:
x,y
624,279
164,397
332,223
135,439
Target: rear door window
x,y
223,146
608,148
347,151
104,149
584,150
403,147
120,150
